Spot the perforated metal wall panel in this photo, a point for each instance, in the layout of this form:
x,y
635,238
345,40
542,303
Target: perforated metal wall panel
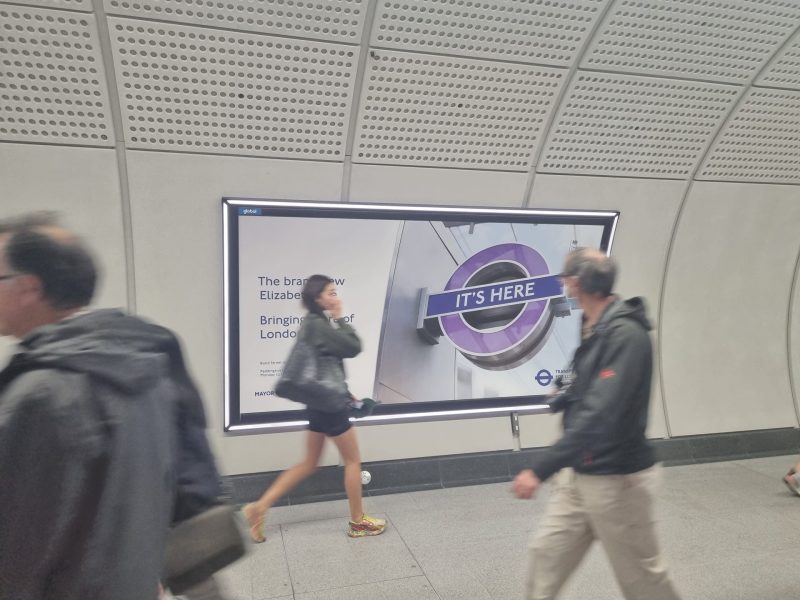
x,y
762,141
81,5
784,70
205,90
532,31
52,86
692,39
419,109
634,126
335,20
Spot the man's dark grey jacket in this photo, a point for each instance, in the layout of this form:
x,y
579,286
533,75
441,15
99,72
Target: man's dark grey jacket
x,y
100,429
606,406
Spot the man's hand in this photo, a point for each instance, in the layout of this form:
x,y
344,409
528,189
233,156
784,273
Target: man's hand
x,y
525,484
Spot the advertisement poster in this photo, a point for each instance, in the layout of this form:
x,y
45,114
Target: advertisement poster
x,y
447,310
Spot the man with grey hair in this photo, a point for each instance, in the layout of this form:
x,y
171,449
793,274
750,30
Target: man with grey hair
x,y
607,475
102,441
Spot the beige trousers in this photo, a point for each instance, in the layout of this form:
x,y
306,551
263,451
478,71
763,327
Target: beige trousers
x,y
618,511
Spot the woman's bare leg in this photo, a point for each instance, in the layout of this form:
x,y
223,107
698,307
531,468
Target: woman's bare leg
x,y
347,443
286,481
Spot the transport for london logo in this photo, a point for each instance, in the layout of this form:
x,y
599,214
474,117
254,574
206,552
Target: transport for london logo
x,y
497,308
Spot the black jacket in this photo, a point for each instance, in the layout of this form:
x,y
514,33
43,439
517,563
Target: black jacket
x,y
606,405
100,430
332,337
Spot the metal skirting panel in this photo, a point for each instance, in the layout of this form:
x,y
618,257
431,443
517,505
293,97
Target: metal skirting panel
x,y
436,472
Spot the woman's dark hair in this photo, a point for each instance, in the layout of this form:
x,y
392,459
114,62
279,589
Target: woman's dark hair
x,y
62,263
312,290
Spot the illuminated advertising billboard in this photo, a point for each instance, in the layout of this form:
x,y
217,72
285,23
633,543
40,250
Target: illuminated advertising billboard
x,y
460,311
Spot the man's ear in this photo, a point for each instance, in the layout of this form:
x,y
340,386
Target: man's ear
x,y
31,289
576,286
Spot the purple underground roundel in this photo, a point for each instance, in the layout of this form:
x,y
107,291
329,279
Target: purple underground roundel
x,y
527,328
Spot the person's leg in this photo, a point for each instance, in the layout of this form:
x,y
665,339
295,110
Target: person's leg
x,y
621,511
347,443
560,543
285,482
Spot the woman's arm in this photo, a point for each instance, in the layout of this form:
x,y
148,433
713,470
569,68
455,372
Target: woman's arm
x,y
336,338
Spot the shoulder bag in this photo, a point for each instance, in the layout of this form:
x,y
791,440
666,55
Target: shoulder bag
x,y
313,378
200,546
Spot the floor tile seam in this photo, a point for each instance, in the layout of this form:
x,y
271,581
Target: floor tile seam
x,y
730,505
733,521
702,516
776,477
410,551
250,561
356,585
486,591
286,561
745,463
706,504
720,474
722,558
433,486
318,519
292,597
725,561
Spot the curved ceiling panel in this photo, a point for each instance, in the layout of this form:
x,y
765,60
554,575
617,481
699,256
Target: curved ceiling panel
x,y
529,31
203,90
52,85
692,39
82,5
634,126
761,142
333,20
784,70
419,109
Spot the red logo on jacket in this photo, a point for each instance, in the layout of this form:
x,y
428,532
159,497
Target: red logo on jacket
x,y
607,373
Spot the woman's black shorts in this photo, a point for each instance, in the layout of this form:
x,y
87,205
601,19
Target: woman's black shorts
x,y
331,424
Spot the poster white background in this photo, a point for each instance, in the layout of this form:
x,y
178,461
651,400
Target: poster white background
x,y
275,255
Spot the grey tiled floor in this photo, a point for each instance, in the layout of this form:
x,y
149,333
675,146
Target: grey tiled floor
x,y
730,531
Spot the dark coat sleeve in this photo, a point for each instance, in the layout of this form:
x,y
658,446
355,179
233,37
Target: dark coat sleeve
x,y
598,413
198,481
48,451
340,340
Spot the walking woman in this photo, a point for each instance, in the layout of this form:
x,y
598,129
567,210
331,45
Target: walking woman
x,y
326,330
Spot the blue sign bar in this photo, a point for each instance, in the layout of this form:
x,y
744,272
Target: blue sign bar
x,y
494,294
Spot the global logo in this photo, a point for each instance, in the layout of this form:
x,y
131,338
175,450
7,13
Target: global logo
x,y
497,308
250,211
